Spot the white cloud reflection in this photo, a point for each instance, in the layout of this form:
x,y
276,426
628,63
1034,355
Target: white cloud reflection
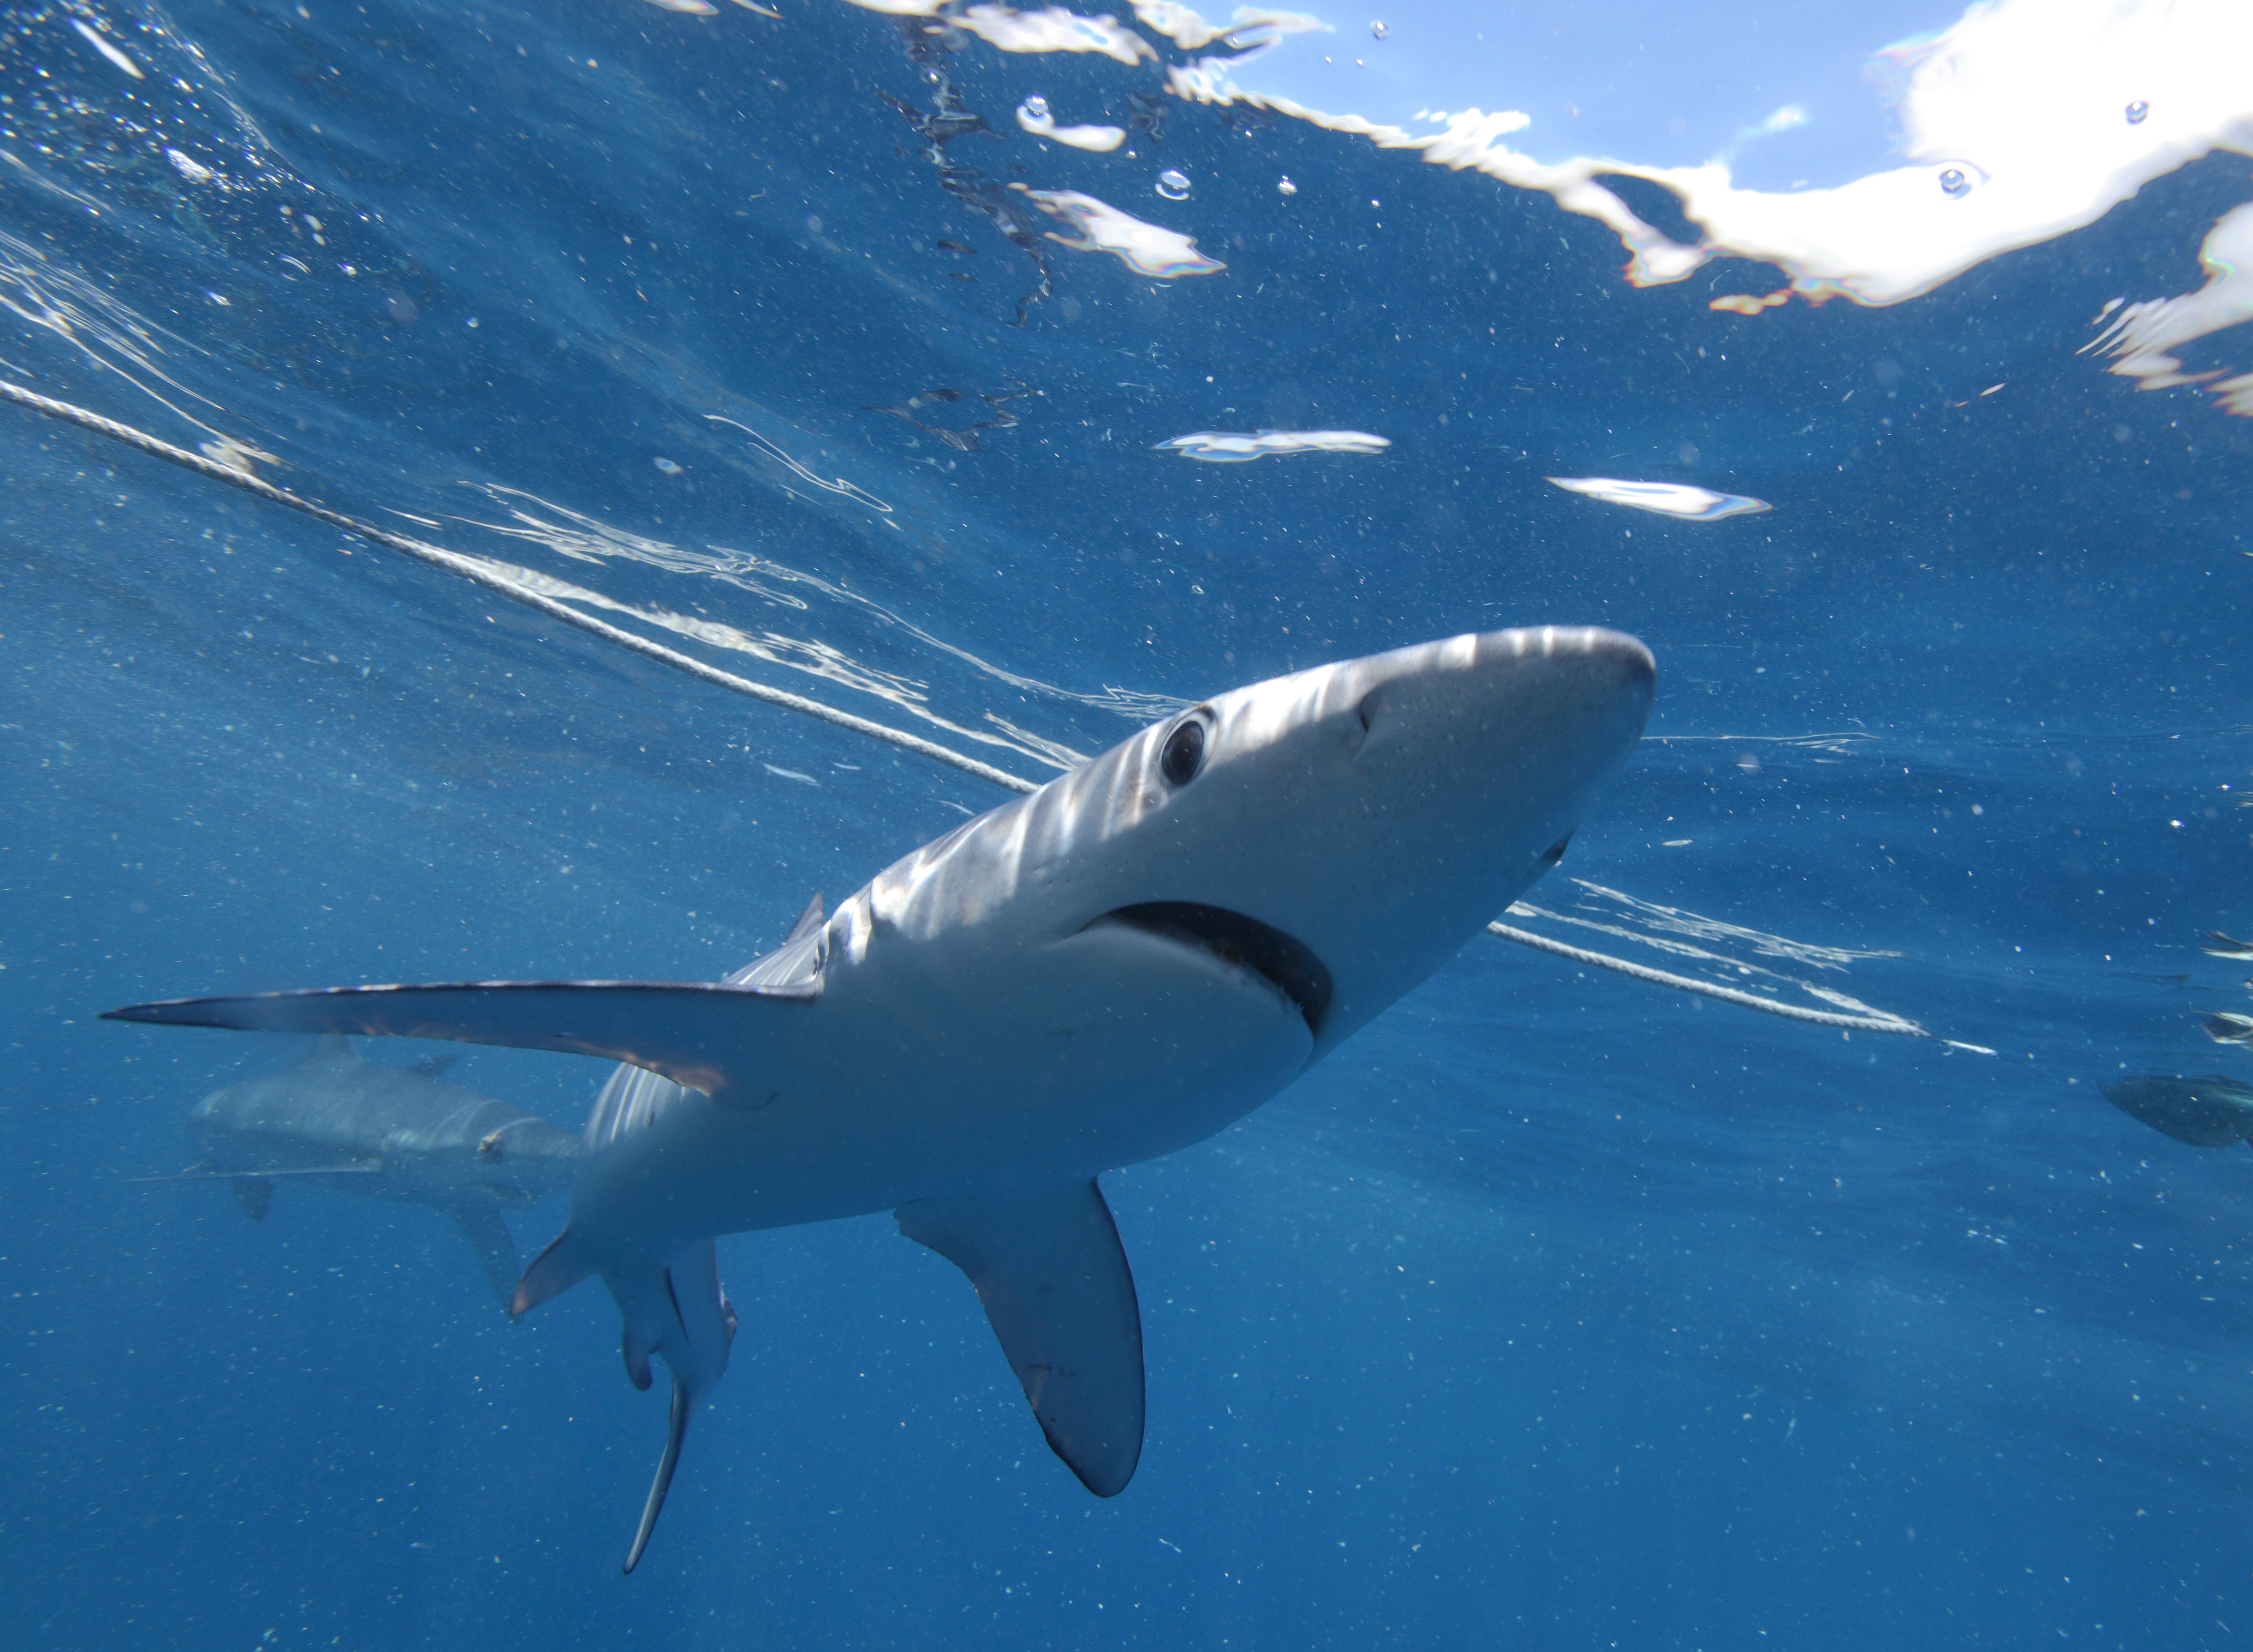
x,y
1663,498
1148,250
2141,337
1040,123
1223,446
1888,170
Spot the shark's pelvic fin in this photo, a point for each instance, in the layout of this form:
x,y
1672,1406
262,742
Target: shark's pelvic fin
x,y
488,1234
809,919
1053,1279
254,1195
553,1272
681,1029
676,1430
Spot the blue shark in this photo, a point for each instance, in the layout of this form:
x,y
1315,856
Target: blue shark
x,y
1111,968
336,1120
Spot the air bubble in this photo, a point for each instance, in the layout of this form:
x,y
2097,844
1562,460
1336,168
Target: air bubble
x,y
1037,107
1174,186
2137,111
1285,186
1953,183
667,466
1379,30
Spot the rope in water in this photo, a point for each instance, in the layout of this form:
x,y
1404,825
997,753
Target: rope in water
x,y
469,568
1709,989
477,573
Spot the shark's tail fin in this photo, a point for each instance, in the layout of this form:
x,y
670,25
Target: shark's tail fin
x,y
555,1270
676,1431
674,1311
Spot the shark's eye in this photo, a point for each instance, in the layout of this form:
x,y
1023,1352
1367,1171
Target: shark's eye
x,y
1184,753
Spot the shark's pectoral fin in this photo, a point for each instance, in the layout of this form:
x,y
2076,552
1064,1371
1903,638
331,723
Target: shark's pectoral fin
x,y
489,1235
685,1031
254,1195
1054,1281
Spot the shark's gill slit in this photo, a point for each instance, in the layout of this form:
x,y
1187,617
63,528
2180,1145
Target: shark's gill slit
x,y
468,568
1287,963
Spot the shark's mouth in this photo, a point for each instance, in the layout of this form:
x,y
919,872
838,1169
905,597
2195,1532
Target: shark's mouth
x,y
1286,964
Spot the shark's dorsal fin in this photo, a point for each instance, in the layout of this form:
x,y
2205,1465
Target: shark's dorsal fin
x,y
1053,1279
807,920
331,1050
431,1066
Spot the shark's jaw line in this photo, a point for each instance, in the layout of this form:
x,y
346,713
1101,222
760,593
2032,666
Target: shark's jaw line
x,y
1283,961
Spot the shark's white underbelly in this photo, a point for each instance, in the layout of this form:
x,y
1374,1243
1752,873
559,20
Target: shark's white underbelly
x,y
930,1072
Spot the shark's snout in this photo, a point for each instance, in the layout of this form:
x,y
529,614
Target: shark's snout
x,y
1494,687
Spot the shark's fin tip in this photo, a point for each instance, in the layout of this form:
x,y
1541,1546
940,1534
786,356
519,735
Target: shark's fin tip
x,y
1053,1279
809,919
554,1271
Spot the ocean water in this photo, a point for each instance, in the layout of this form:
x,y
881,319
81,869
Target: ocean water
x,y
1558,1308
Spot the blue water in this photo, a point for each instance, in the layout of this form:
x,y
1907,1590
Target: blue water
x,y
1557,1309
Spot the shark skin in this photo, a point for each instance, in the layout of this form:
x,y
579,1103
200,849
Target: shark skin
x,y
1107,970
336,1120
2211,1111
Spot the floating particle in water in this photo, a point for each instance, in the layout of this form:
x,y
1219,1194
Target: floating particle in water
x,y
1037,107
1379,30
109,50
1224,447
2137,111
194,170
667,466
1173,185
1285,186
472,322
400,309
1952,182
1663,498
